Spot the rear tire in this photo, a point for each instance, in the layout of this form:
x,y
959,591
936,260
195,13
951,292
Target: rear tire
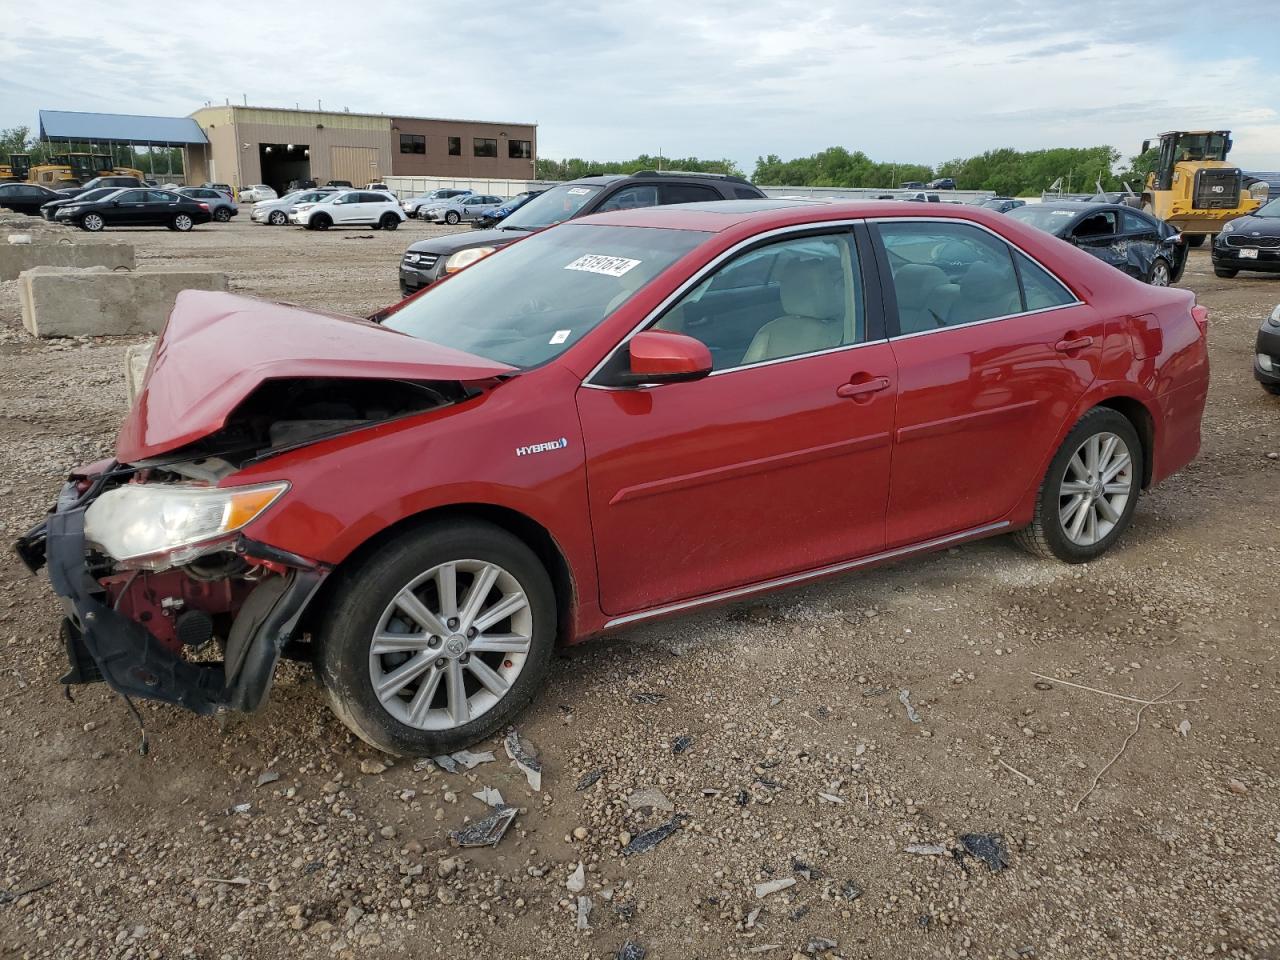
x,y
222,215
183,222
1057,531
1225,272
389,221
367,606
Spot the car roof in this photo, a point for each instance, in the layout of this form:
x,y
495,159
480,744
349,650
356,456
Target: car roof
x,y
1084,206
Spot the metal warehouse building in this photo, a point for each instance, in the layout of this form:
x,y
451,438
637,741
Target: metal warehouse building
x,y
263,145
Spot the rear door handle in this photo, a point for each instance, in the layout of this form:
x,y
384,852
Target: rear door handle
x,y
1079,343
856,391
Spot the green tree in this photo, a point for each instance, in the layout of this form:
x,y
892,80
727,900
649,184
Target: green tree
x,y
575,167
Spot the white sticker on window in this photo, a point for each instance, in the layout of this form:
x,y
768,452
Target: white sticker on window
x,y
599,263
578,191
560,336
1063,213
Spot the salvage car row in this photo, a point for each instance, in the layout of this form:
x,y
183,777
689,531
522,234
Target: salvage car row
x,y
104,202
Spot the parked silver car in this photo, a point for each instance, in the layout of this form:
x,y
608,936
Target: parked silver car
x,y
458,209
275,213
413,205
221,206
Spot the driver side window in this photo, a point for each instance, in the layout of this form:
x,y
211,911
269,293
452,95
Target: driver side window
x,y
785,299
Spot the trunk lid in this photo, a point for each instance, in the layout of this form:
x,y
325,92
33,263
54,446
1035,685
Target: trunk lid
x,y
218,348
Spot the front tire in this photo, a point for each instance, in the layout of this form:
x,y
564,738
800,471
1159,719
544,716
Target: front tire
x,y
92,222
1225,272
416,661
277,218
1090,491
1272,388
452,218
320,222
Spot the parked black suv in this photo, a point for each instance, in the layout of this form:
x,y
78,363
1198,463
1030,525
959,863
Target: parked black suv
x,y
427,261
118,181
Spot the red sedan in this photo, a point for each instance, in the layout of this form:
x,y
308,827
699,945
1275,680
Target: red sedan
x,y
620,418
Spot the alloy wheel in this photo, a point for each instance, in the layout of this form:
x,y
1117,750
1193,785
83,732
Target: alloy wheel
x,y
450,644
277,217
182,222
93,222
1095,489
1159,274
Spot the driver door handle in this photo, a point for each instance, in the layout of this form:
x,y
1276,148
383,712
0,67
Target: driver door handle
x,y
1067,346
862,389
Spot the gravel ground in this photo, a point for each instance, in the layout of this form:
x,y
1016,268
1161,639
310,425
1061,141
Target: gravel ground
x,y
279,835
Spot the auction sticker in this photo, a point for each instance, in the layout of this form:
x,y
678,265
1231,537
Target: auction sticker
x,y
599,263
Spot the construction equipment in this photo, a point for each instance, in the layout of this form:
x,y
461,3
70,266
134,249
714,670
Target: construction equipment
x,y
76,168
1193,187
17,168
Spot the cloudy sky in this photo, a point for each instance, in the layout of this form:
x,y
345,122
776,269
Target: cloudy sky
x,y
900,80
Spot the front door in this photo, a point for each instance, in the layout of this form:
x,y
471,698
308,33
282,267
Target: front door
x,y
993,353
776,463
127,209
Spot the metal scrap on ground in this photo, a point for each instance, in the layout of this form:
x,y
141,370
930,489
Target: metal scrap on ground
x,y
486,832
490,796
651,838
904,697
681,743
589,779
987,847
631,951
763,890
649,698
469,759
525,757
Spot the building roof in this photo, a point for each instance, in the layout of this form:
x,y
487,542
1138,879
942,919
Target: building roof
x,y
119,128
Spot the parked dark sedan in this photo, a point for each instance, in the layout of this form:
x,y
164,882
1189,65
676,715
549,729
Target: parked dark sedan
x,y
25,197
1147,249
137,208
115,181
1001,204
1251,242
1266,361
50,210
486,220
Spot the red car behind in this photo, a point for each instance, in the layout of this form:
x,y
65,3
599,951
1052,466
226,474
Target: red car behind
x,y
622,417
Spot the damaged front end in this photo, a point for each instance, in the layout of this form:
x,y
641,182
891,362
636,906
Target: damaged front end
x,y
133,621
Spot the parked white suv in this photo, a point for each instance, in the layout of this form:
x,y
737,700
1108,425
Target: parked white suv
x,y
365,208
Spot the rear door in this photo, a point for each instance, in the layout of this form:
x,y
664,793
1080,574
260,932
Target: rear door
x,y
985,386
162,206
1100,234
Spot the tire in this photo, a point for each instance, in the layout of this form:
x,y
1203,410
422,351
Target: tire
x,y
183,222
92,222
1225,272
320,222
1272,388
1196,240
277,218
365,603
1047,536
1160,274
389,221
222,215
452,218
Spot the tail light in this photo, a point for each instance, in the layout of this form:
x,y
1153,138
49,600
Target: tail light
x,y
203,206
1201,315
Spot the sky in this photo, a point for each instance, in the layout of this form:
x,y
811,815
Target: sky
x,y
902,81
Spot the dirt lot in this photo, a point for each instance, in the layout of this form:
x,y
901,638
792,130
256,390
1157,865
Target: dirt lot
x,y
803,763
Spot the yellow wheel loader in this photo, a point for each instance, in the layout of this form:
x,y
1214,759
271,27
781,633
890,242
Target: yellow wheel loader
x,y
1193,187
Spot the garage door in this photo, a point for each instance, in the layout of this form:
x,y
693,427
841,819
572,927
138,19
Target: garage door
x,y
357,164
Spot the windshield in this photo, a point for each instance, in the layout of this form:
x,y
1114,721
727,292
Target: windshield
x,y
97,194
528,303
1051,219
1269,209
557,204
1202,146
309,196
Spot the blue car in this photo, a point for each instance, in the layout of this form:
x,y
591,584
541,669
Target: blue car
x,y
485,221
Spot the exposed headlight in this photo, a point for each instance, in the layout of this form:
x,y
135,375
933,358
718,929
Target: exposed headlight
x,y
1259,190
465,258
1274,319
162,525
1229,227
1264,361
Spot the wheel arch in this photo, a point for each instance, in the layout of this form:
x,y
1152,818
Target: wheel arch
x,y
1136,412
523,527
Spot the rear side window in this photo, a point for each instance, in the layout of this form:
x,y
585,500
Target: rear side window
x,y
687,193
948,274
746,193
1100,224
1136,223
630,198
1041,289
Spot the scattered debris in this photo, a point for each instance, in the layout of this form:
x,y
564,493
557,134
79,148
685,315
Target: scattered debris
x,y
490,796
799,913
242,808
268,776
904,697
469,759
1237,787
681,743
577,880
626,911
649,798
927,849
1137,726
486,832
751,918
631,951
773,886
584,913
589,779
850,890
800,868
525,757
372,767
649,698
987,847
1184,727
8,896
875,691
651,838
764,948
818,945
231,882
1016,772
1041,685
446,763
830,797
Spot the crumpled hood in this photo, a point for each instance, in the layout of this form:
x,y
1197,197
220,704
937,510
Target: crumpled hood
x,y
217,348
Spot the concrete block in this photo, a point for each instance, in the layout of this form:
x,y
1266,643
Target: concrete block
x,y
136,358
41,252
97,302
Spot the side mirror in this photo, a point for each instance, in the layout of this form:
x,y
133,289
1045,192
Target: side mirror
x,y
115,203
660,356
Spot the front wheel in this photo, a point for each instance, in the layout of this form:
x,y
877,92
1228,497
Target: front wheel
x,y
320,222
452,218
92,222
1272,388
439,639
277,218
183,222
1090,491
1158,275
1225,272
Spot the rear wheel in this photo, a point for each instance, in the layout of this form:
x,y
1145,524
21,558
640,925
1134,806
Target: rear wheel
x,y
222,214
277,218
183,222
1225,272
1158,275
389,221
1090,491
438,639
92,222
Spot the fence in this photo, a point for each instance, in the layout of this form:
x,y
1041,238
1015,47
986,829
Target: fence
x,y
405,187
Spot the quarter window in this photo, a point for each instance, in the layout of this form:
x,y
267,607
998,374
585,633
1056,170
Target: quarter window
x,y
687,193
785,299
485,147
948,274
519,149
412,143
1040,289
